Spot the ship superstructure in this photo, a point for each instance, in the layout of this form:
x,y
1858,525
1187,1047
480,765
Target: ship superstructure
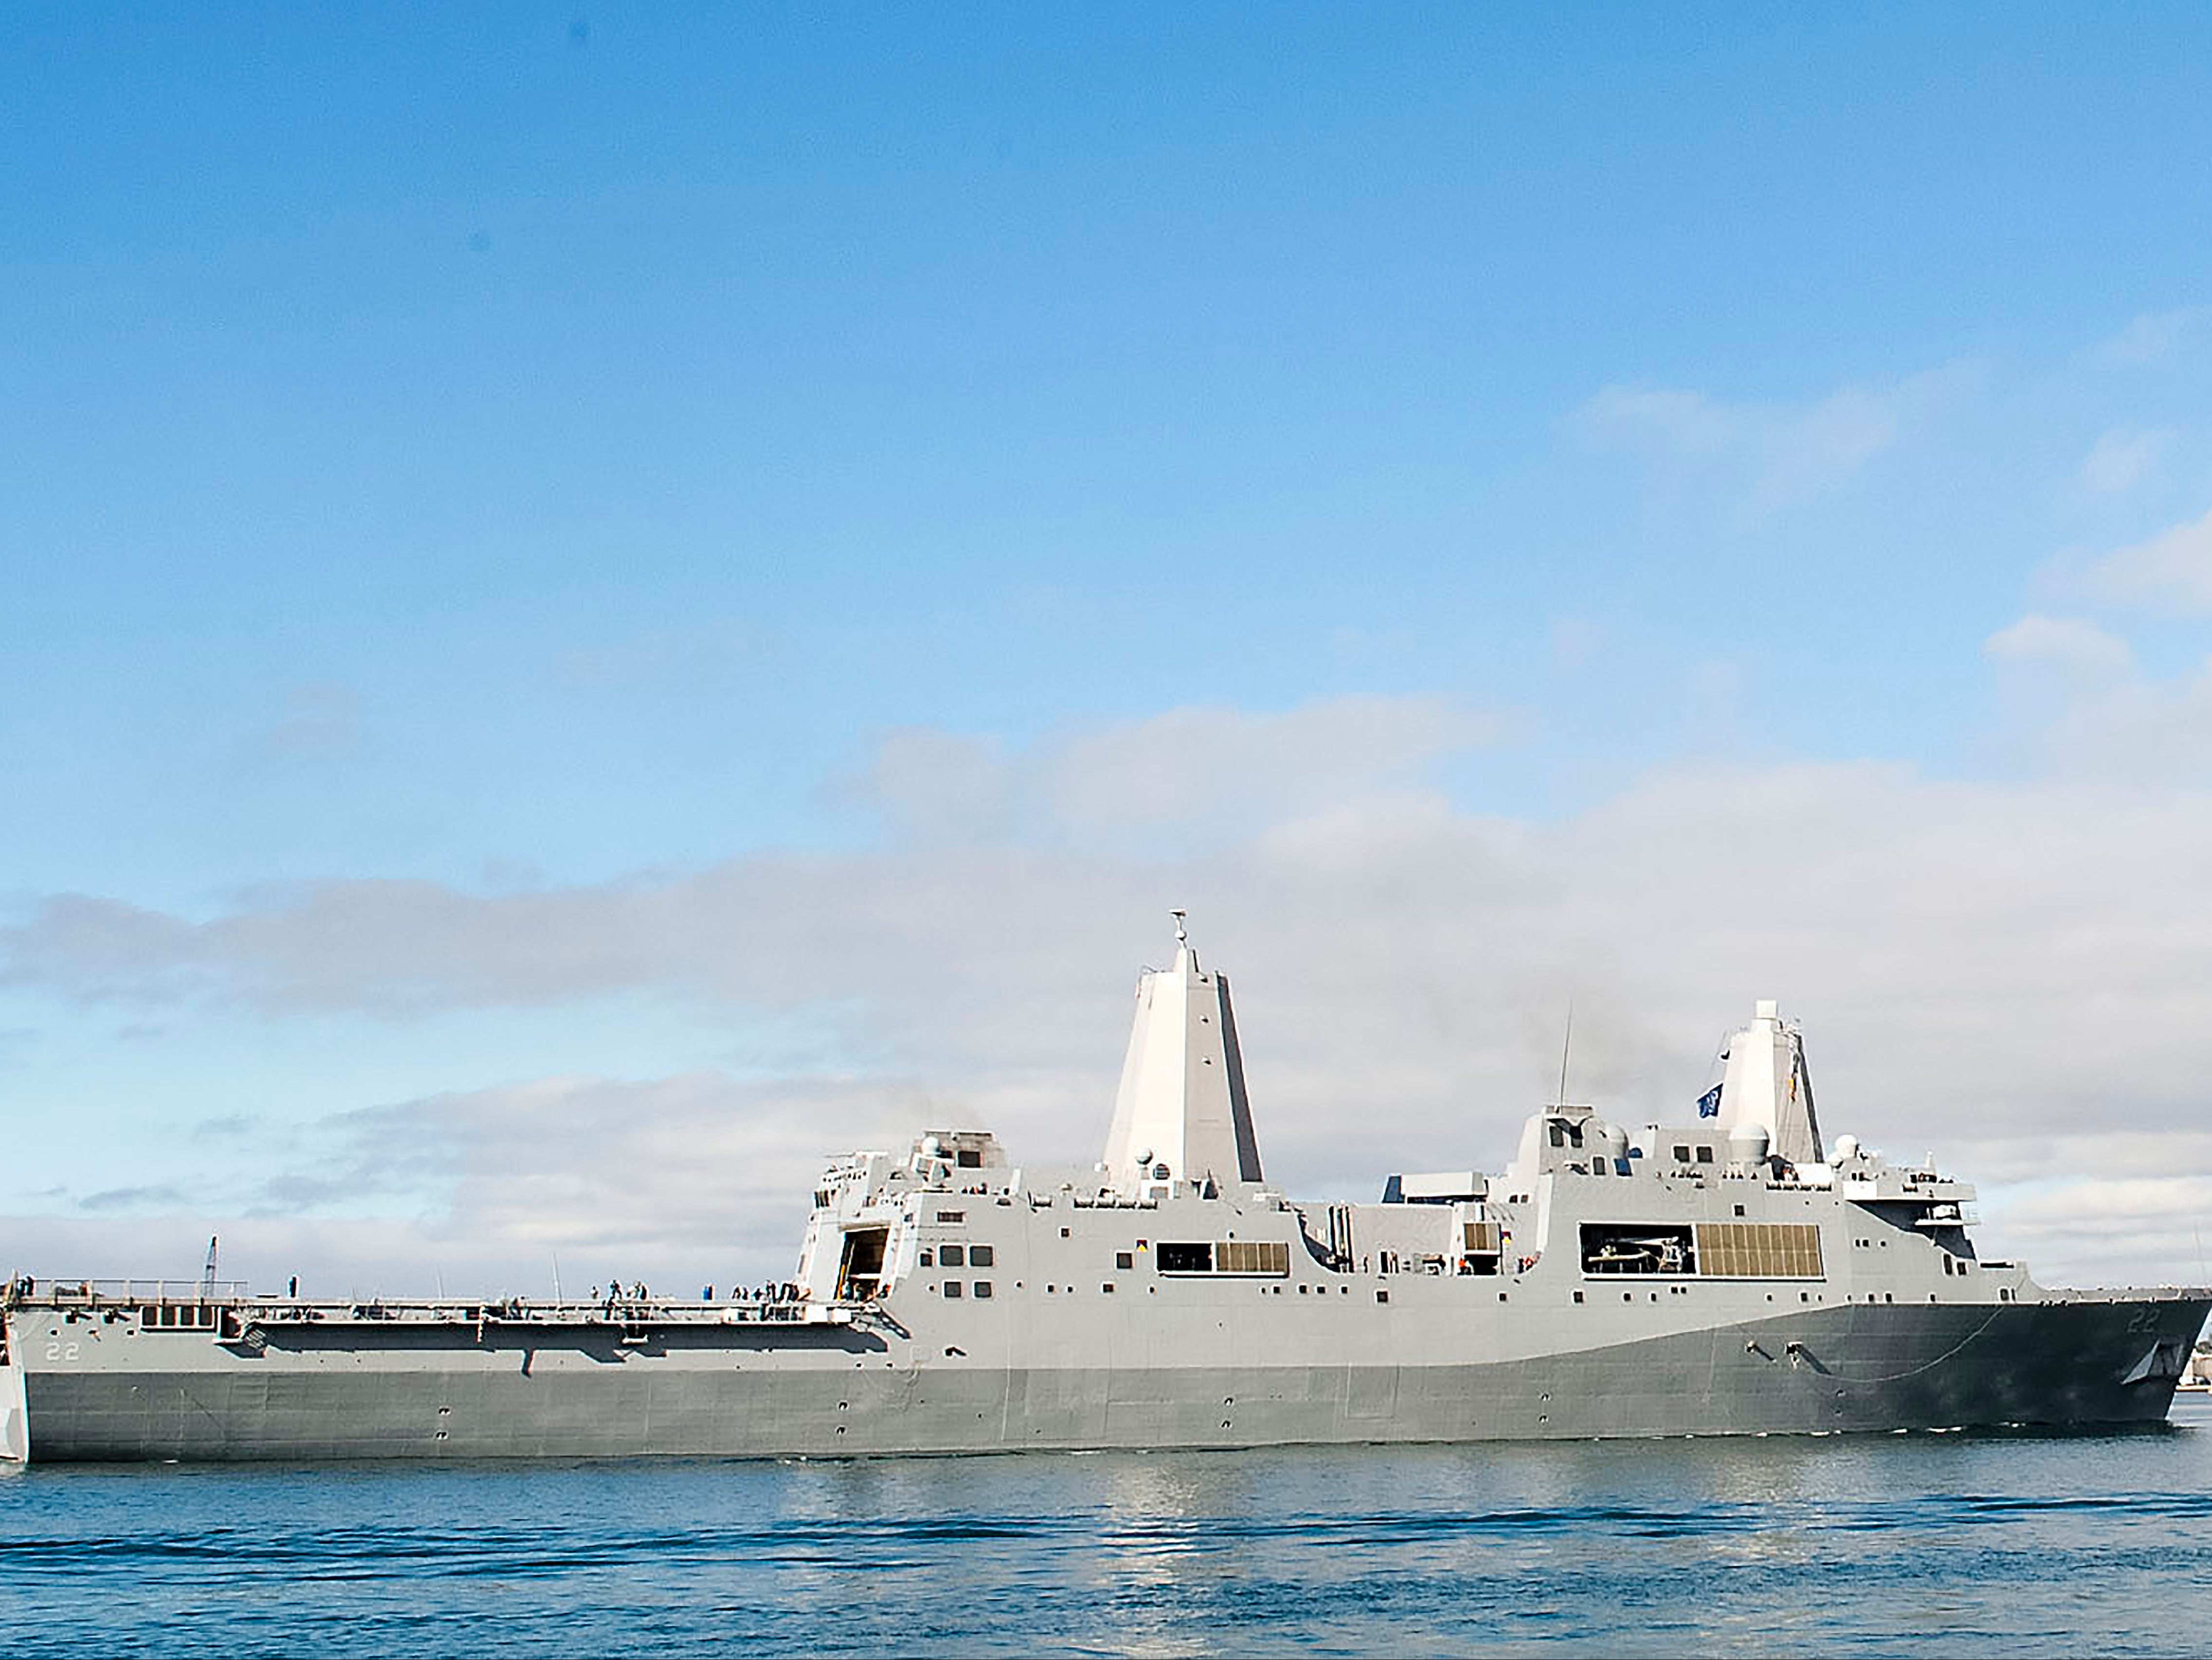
x,y
1725,1274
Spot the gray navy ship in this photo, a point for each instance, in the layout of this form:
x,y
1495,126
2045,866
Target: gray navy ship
x,y
1728,1274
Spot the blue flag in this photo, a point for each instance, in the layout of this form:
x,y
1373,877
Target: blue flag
x,y
1708,1103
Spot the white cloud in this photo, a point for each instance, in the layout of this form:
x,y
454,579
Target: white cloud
x,y
1810,454
2153,336
936,784
1983,967
1200,765
1769,455
2064,641
2122,458
1661,418
2116,1228
2138,728
2174,565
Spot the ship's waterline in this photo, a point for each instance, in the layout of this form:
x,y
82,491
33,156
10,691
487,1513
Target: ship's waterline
x,y
1724,1275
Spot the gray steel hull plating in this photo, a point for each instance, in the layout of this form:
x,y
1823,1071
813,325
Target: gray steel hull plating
x,y
850,1393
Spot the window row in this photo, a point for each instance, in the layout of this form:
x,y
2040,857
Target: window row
x,y
188,1316
960,1256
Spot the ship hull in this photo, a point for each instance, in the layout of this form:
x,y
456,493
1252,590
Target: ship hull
x,y
851,1392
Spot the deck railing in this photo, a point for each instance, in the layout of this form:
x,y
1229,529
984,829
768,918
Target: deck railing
x,y
237,1298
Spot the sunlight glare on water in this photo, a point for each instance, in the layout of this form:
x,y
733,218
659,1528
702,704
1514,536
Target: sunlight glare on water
x,y
1835,1545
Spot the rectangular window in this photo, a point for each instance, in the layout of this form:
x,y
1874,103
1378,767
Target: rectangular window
x,y
1123,1259
926,1259
1107,1288
983,1288
980,1256
1172,1258
952,1216
1681,1157
952,1288
969,1159
1704,1155
1478,1238
953,1256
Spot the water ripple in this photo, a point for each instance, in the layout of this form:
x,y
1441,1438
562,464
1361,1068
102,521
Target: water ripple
x,y
1835,1547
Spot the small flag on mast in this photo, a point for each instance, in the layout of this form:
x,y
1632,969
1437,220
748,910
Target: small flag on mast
x,y
1708,1103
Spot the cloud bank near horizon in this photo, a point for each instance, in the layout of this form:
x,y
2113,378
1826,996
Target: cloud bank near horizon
x,y
2006,971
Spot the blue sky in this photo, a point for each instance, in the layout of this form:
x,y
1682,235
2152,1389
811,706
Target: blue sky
x,y
544,454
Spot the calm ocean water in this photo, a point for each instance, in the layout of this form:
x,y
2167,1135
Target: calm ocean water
x,y
1940,1544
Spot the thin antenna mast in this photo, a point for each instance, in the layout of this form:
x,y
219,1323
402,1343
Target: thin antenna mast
x,y
1567,1048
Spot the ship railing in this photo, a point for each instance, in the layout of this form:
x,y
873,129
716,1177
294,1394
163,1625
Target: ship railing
x,y
628,1315
277,1307
119,1293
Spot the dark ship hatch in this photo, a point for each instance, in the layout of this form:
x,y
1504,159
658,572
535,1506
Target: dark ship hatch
x,y
1638,1247
860,1270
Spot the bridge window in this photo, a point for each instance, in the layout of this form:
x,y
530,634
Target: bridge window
x,y
952,1256
980,1256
